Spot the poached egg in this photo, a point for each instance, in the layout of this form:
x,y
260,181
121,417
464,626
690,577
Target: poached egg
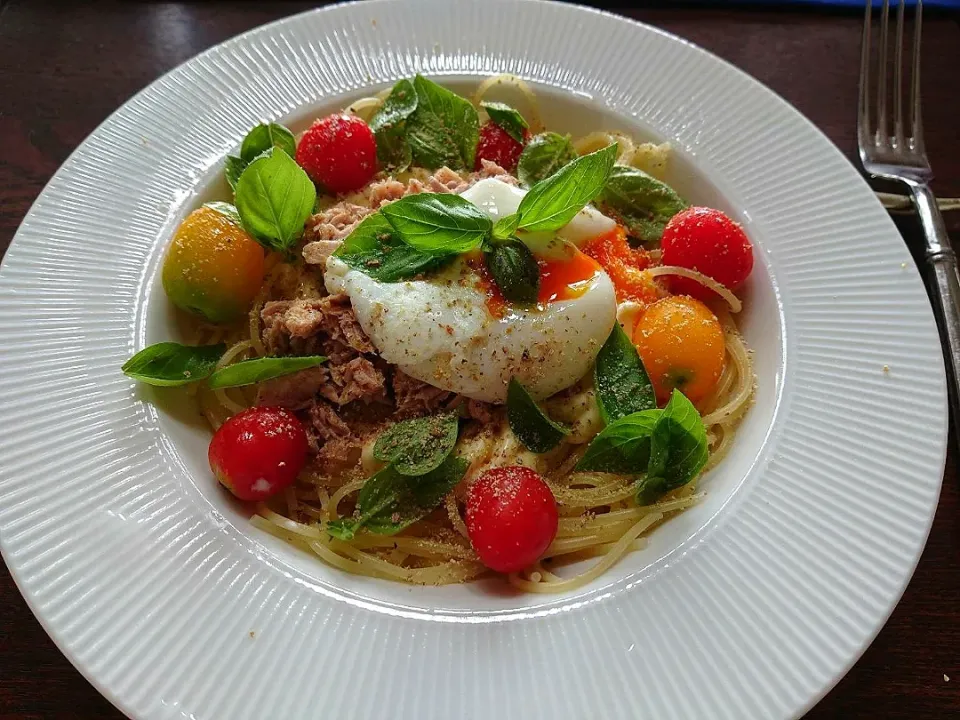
x,y
454,331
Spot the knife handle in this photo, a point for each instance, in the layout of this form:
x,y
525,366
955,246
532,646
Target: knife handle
x,y
942,262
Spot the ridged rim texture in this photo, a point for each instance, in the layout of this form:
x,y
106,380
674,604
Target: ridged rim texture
x,y
152,598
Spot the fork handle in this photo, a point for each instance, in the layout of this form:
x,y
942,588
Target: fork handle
x,y
942,262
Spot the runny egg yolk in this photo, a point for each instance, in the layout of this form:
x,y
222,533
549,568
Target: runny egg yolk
x,y
567,277
561,278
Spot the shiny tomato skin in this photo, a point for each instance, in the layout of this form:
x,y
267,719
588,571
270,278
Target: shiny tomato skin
x,y
706,240
497,146
682,346
258,452
213,268
511,518
339,152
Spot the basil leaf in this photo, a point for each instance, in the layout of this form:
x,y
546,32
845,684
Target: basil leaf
x,y
415,447
431,146
507,118
678,449
344,528
622,384
169,364
623,446
399,105
438,223
444,129
641,202
552,203
515,271
529,423
375,249
274,198
506,226
389,502
248,372
266,136
543,156
389,126
233,168
393,151
225,209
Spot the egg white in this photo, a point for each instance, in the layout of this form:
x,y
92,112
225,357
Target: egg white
x,y
440,331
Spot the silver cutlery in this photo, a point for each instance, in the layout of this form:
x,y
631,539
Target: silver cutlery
x,y
891,147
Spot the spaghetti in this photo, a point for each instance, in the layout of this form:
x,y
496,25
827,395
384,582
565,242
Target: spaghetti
x,y
600,519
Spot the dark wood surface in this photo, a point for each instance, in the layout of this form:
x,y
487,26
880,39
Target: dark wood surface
x,y
64,67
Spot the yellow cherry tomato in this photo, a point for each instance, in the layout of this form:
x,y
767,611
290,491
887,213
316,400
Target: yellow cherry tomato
x,y
681,344
213,267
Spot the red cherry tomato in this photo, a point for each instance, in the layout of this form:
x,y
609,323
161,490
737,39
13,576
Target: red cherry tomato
x,y
497,146
258,452
339,152
511,518
708,241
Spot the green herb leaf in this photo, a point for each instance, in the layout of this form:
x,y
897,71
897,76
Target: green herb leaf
x,y
552,203
233,168
640,201
389,126
622,384
344,528
543,156
169,364
438,223
248,372
623,446
266,136
444,128
515,270
507,118
274,198
529,422
678,449
506,226
393,151
225,209
375,249
431,145
389,502
399,105
415,447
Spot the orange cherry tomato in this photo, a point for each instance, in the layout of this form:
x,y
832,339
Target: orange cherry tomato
x,y
213,268
681,344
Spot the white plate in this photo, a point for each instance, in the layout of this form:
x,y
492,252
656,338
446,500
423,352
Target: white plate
x,y
751,605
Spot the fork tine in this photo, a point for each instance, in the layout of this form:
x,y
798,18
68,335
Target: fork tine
x,y
882,132
898,81
916,125
864,133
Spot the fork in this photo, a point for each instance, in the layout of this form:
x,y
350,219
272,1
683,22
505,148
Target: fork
x,y
898,154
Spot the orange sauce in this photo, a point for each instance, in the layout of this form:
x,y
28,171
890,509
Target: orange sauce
x,y
560,279
496,303
624,265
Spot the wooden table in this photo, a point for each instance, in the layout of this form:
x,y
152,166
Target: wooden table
x,y
65,66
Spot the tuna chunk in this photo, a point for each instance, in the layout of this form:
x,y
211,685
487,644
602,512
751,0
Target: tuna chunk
x,y
325,326
325,422
294,391
414,398
354,380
